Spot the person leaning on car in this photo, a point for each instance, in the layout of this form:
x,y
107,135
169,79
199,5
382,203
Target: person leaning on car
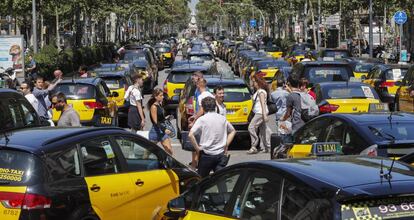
x,y
214,138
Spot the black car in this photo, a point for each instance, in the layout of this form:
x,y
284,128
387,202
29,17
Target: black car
x,y
85,173
347,187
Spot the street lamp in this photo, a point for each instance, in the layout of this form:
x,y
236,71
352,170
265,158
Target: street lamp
x,y
371,43
34,24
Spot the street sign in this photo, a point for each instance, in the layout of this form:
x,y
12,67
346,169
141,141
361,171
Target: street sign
x,y
404,57
253,23
400,17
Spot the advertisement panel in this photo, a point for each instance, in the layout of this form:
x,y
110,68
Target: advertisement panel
x,y
12,53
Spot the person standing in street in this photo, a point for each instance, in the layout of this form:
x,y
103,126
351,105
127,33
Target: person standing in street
x,y
26,89
83,71
68,117
41,94
212,150
279,97
219,95
159,131
58,75
259,120
31,73
293,104
136,119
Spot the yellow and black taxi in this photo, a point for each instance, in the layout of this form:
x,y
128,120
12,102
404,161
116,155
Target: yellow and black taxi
x,y
344,97
176,79
118,81
237,98
404,97
150,77
335,53
377,133
330,187
165,54
85,173
236,55
383,78
267,68
281,74
247,60
274,51
323,71
362,66
92,99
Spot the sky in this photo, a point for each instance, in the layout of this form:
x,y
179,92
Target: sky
x,y
193,4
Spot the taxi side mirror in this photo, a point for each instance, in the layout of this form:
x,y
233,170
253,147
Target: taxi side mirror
x,y
176,208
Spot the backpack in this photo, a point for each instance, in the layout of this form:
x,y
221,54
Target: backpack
x,y
308,105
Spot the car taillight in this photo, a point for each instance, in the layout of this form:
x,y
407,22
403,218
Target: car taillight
x,y
93,105
12,200
328,108
165,86
371,151
387,84
189,106
260,74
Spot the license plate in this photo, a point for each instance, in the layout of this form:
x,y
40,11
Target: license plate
x,y
394,208
106,120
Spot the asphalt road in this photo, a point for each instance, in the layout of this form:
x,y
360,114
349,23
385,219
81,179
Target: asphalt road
x,y
239,146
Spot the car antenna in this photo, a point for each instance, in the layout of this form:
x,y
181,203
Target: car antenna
x,y
6,137
388,176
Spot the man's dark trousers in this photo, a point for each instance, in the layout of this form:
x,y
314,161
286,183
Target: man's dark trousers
x,y
207,163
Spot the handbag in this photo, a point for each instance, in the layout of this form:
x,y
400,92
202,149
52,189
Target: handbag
x,y
168,125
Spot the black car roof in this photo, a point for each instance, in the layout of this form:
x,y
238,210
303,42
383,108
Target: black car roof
x,y
112,73
344,84
320,63
392,66
217,80
89,80
35,140
337,171
383,117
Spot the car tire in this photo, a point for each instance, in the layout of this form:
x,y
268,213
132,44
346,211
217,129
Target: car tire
x,y
84,213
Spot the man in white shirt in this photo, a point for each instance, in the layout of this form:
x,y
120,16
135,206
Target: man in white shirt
x,y
214,138
219,94
27,92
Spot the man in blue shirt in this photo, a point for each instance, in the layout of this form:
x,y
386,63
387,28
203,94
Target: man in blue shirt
x,y
41,94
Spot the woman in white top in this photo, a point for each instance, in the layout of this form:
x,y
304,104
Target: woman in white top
x,y
259,121
136,119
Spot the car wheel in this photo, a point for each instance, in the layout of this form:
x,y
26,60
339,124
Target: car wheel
x,y
83,213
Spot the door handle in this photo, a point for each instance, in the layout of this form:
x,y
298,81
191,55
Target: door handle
x,y
139,182
95,188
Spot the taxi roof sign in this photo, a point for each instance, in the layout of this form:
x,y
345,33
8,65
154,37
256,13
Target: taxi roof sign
x,y
378,107
326,149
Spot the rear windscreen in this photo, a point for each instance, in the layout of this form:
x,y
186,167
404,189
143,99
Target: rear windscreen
x,y
201,57
363,67
327,74
392,131
179,77
269,65
349,92
336,54
395,74
114,82
76,91
19,168
163,49
134,56
17,113
234,94
272,49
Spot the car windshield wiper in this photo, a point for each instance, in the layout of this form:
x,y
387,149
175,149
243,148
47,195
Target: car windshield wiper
x,y
358,97
382,134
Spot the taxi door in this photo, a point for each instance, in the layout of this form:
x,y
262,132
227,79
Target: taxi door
x,y
153,185
111,193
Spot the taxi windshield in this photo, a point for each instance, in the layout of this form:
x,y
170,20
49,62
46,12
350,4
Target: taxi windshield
x,y
179,77
393,131
317,74
349,92
76,91
114,82
134,56
395,74
363,67
19,168
201,57
271,65
234,93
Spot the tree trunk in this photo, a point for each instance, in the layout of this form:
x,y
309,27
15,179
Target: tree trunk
x,y
315,40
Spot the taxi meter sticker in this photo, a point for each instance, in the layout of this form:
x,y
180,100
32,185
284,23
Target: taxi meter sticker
x,y
367,92
11,174
396,73
108,149
379,209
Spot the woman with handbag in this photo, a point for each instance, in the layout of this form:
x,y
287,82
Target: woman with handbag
x,y
260,118
160,130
